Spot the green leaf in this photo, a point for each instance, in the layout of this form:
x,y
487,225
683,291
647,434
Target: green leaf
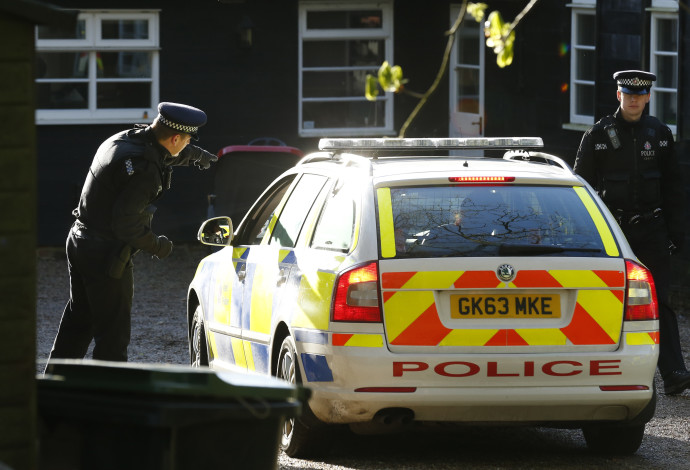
x,y
371,89
495,31
477,11
391,78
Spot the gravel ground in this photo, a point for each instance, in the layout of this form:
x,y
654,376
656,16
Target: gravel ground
x,y
159,336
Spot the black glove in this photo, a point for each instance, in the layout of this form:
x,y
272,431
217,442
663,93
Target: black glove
x,y
205,159
165,247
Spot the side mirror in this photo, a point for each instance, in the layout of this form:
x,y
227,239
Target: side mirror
x,y
216,232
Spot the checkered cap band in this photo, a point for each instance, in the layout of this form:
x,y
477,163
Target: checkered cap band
x,y
635,82
179,127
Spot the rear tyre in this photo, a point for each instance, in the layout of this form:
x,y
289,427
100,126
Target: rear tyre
x,y
305,436
198,351
614,439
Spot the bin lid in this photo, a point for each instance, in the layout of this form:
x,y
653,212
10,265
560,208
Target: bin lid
x,y
166,379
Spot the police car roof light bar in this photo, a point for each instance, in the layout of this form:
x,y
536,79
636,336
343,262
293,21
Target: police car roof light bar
x,y
475,143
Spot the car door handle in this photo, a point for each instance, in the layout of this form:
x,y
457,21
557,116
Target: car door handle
x,y
480,123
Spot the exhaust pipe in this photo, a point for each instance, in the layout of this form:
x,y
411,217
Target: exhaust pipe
x,y
394,416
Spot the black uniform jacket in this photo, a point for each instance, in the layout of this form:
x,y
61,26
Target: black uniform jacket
x,y
129,172
638,177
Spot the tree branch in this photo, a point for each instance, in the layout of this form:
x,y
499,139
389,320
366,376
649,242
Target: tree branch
x,y
442,69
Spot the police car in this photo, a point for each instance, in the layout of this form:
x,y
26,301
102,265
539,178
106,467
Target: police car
x,y
404,285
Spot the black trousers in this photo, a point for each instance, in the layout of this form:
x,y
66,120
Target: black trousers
x,y
99,307
649,241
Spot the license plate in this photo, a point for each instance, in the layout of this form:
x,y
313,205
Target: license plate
x,y
505,306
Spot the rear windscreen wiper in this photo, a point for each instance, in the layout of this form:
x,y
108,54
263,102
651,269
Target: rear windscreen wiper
x,y
521,249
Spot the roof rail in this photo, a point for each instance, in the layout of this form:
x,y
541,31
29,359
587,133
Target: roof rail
x,y
316,157
347,159
475,143
537,157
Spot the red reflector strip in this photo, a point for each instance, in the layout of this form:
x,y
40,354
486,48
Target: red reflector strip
x,y
622,388
481,179
387,389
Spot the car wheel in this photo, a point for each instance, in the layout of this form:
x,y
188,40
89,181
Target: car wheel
x,y
198,352
614,439
304,436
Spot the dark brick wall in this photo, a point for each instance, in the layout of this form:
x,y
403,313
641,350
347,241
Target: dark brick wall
x,y
17,245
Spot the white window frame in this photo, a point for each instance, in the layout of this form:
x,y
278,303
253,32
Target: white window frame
x,y
92,44
581,7
662,11
385,33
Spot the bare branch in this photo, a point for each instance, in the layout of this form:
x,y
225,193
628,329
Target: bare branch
x,y
442,69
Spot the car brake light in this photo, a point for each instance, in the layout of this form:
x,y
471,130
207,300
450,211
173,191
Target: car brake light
x,y
357,295
640,300
481,179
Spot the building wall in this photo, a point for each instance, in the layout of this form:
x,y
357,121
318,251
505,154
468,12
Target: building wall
x,y
17,245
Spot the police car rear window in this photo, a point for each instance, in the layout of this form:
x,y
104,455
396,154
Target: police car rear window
x,y
441,221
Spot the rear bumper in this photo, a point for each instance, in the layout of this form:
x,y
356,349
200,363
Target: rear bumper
x,y
491,388
538,405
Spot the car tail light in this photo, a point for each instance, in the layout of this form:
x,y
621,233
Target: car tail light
x,y
357,295
481,179
640,299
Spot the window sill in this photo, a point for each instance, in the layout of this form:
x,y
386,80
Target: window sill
x,y
569,126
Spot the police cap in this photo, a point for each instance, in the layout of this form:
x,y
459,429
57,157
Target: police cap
x,y
181,117
634,82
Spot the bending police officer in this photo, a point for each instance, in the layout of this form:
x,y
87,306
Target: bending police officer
x,y
630,161
130,171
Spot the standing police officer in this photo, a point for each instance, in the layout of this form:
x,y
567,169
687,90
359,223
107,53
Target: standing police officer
x,y
129,172
629,159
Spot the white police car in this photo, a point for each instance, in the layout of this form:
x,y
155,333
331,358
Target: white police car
x,y
407,288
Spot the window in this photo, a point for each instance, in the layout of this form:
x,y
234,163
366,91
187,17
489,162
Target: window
x,y
582,64
105,70
441,221
340,43
256,223
663,62
336,227
295,212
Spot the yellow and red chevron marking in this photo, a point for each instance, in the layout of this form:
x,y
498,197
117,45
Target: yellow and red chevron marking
x,y
356,339
642,338
596,319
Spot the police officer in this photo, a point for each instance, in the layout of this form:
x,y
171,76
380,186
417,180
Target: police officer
x,y
130,171
629,159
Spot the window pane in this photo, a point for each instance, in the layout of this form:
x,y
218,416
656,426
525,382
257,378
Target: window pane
x,y
334,84
468,42
123,95
585,30
442,221
667,35
344,114
124,29
60,32
299,204
343,53
336,226
353,19
585,100
468,91
124,64
667,71
585,65
666,110
62,64
63,95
